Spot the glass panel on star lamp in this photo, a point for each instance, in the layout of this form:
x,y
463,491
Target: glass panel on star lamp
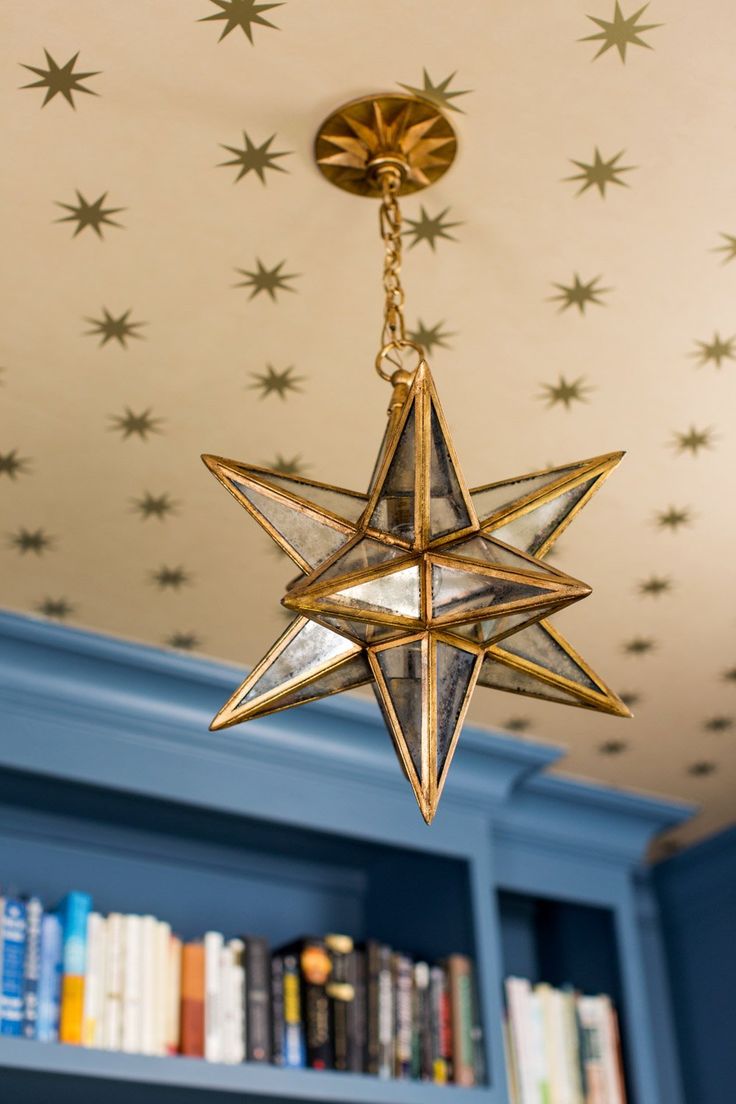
x,y
455,592
353,672
364,632
491,551
454,672
396,593
538,645
447,509
394,512
314,540
497,676
312,647
366,553
487,500
340,503
531,530
403,672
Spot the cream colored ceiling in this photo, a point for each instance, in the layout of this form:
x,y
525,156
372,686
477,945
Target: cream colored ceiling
x,y
168,97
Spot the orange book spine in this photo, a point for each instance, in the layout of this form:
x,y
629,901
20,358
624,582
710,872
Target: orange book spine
x,y
192,1000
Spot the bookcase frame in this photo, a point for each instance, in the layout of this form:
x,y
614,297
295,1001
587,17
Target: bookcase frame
x,y
80,708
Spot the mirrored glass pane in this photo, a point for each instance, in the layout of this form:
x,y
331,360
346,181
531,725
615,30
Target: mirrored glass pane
x,y
353,672
312,647
447,510
314,540
487,500
456,592
364,632
490,629
394,512
403,671
538,645
341,503
454,672
396,593
491,551
498,676
366,553
530,531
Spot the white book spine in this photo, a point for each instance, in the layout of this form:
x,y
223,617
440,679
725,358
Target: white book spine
x,y
213,943
112,1016
229,1026
237,998
94,982
131,1037
615,1092
148,984
163,939
173,996
518,997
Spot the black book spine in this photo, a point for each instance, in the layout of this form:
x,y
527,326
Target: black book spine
x,y
372,952
342,995
385,1014
402,992
277,1010
357,1020
257,999
315,966
421,1057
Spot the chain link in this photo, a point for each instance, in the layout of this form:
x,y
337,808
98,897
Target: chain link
x,y
390,222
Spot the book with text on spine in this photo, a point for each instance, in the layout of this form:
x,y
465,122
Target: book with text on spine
x,y
49,979
73,911
12,964
32,966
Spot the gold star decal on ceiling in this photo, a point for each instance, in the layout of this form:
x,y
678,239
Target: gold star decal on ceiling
x,y
565,392
90,214
60,79
185,641
430,337
255,159
31,540
12,465
439,94
728,248
716,350
673,518
284,466
58,608
430,228
600,173
701,768
157,506
613,747
265,279
114,329
729,675
630,698
621,31
693,441
273,382
135,425
579,294
241,13
170,578
517,724
655,586
718,724
639,645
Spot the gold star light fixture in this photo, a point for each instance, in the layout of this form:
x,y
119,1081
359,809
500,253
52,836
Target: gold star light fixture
x,y
421,586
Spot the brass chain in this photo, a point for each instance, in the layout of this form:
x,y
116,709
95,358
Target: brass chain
x,y
390,222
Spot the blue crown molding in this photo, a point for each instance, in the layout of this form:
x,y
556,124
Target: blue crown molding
x,y
157,704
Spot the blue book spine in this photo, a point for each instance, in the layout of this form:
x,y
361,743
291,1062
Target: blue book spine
x,y
49,979
73,911
294,1047
12,964
34,914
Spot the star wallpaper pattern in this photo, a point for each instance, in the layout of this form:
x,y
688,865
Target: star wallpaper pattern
x,y
183,280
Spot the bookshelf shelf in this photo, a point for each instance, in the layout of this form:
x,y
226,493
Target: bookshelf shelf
x,y
110,782
53,1064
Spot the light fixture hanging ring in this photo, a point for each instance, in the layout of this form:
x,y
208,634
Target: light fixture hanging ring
x,y
396,346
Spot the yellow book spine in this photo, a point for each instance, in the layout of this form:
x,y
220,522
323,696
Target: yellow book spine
x,y
72,1009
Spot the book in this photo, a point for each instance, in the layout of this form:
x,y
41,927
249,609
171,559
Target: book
x,y
385,1013
148,1028
94,982
173,996
32,966
479,1049
73,911
213,945
161,986
421,1048
341,994
192,1000
315,967
112,1010
49,979
459,974
591,1051
294,1039
277,1010
518,994
132,976
441,1028
257,999
372,956
12,964
233,1000
357,1010
402,983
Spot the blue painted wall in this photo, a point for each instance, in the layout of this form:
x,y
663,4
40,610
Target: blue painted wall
x,y
697,896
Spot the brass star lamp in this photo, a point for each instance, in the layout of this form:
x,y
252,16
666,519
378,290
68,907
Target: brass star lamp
x,y
421,586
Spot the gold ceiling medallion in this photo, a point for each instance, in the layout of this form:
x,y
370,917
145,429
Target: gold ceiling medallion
x,y
422,586
356,143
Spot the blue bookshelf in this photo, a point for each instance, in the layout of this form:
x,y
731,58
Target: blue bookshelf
x,y
111,782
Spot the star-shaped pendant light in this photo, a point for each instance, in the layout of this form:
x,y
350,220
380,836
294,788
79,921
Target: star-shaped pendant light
x,y
420,587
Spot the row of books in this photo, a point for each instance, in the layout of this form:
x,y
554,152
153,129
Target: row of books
x,y
562,1047
128,983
